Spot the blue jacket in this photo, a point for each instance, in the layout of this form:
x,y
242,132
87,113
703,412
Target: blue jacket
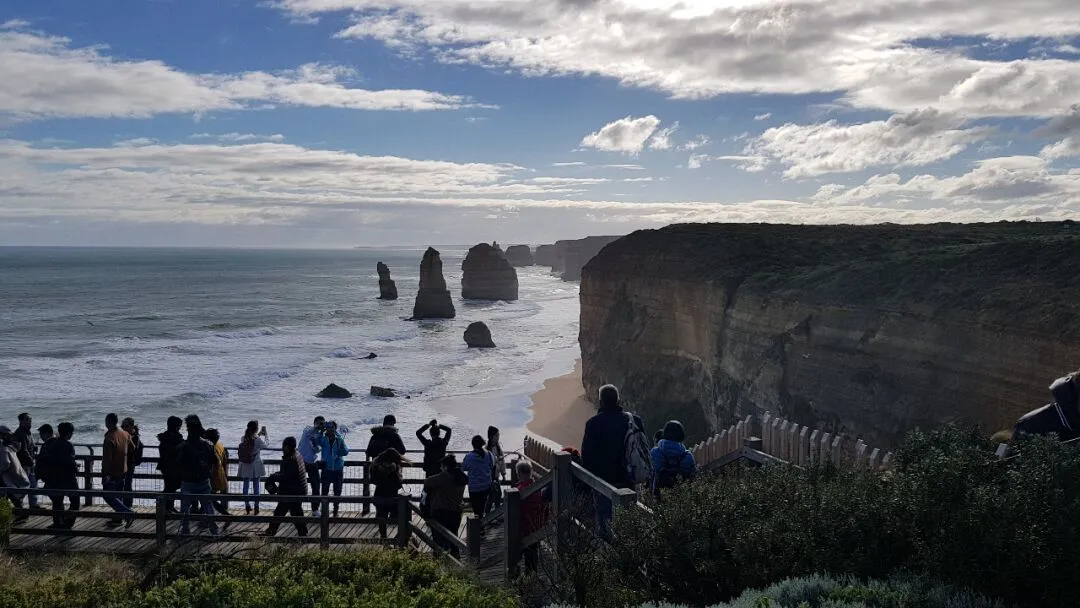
x,y
603,452
334,456
671,451
310,444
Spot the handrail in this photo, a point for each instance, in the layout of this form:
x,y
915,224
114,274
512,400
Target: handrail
x,y
599,485
437,527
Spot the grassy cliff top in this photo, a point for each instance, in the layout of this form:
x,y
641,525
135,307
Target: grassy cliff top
x,y
1014,273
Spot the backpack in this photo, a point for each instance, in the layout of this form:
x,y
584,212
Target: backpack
x,y
636,452
246,452
671,473
384,473
136,451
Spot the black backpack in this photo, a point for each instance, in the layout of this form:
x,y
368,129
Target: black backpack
x,y
671,473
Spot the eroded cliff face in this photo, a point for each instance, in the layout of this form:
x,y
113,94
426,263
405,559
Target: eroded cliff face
x,y
870,331
567,257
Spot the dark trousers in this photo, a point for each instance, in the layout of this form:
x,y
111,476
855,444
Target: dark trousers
x,y
332,478
60,518
295,509
312,469
479,502
451,520
385,511
531,555
129,481
172,486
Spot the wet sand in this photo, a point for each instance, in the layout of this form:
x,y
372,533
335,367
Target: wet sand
x,y
559,410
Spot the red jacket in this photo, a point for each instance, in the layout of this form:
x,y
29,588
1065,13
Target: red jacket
x,y
533,510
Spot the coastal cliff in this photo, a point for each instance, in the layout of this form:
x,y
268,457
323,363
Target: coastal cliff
x,y
567,257
865,330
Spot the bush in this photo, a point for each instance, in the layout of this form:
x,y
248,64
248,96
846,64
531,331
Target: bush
x,y
7,515
949,509
365,579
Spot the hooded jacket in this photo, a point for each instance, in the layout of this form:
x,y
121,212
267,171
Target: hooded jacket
x,y
168,442
671,455
333,455
11,471
383,437
446,490
603,451
1061,417
291,478
309,445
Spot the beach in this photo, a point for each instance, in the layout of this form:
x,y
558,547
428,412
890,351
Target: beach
x,y
560,410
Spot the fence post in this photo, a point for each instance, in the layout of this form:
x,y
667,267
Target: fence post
x,y
403,521
562,483
324,524
366,486
511,531
472,537
160,521
88,479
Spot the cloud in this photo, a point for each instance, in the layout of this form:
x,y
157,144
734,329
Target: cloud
x,y
44,76
1067,127
625,167
571,164
869,53
698,142
14,24
748,163
239,137
627,135
915,139
661,139
765,116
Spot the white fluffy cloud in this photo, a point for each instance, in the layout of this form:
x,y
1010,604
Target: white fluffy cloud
x,y
1066,127
631,135
862,49
44,76
915,139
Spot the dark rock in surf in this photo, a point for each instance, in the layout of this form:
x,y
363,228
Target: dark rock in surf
x,y
333,391
486,274
433,298
387,287
379,391
477,335
520,255
369,356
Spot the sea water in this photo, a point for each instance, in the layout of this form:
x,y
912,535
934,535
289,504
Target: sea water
x,y
238,335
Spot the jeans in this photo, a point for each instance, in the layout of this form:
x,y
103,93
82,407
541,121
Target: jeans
x,y
172,485
114,484
206,505
59,517
385,511
479,501
129,481
254,482
451,520
296,509
31,499
313,471
333,478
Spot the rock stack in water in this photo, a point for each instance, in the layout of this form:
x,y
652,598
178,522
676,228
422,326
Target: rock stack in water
x,y
387,287
545,256
477,335
519,255
488,275
433,298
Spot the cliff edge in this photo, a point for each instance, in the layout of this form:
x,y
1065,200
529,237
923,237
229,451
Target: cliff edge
x,y
866,330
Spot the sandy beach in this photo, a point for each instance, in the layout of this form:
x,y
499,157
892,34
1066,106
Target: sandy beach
x,y
560,410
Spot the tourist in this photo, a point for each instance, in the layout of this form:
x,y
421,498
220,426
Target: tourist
x,y
435,447
493,446
135,456
533,514
61,472
168,442
478,465
290,480
672,462
582,493
219,476
603,449
41,463
12,473
115,456
309,447
445,491
251,469
333,448
384,437
195,460
23,442
386,474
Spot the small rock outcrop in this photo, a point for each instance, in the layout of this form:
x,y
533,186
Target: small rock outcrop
x,y
433,298
477,335
380,391
520,256
387,287
488,275
370,356
333,391
545,256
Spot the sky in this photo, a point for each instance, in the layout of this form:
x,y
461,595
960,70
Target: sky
x,y
340,123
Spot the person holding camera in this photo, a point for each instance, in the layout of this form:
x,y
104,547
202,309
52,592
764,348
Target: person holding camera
x,y
290,480
435,447
309,446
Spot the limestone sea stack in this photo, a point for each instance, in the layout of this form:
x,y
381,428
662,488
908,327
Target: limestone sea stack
x,y
519,256
433,298
486,274
477,335
545,256
387,287
869,331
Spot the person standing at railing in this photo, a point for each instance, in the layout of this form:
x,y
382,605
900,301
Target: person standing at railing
x,y
195,459
609,437
251,468
135,456
533,514
23,441
384,437
478,465
435,447
219,478
290,480
386,474
168,442
310,445
11,473
498,472
445,491
672,462
57,461
333,448
115,456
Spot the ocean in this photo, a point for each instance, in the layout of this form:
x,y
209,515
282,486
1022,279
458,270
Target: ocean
x,y
238,335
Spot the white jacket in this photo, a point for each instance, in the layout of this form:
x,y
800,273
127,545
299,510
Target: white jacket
x,y
11,471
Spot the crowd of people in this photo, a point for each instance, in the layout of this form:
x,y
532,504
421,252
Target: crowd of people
x,y
194,466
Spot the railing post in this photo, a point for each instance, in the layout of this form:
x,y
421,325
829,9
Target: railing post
x,y
366,486
562,499
160,522
511,531
472,537
754,443
403,521
88,478
324,524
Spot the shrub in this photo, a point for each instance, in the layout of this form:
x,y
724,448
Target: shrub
x,y
7,514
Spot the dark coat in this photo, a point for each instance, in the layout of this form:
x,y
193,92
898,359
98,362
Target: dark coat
x,y
383,437
602,448
168,442
291,478
195,460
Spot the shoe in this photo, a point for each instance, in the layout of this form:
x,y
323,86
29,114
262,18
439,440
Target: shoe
x,y
55,526
129,522
225,526
256,510
113,524
247,509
